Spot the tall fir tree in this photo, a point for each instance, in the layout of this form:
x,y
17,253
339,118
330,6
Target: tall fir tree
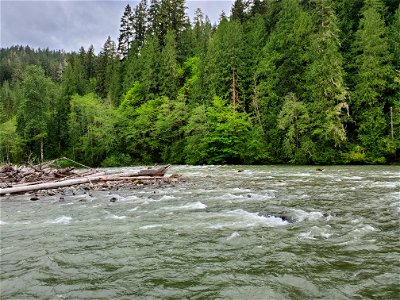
x,y
281,69
104,68
326,92
140,22
225,64
374,73
154,18
148,61
238,10
126,32
169,68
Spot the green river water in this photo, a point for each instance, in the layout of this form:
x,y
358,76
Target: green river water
x,y
226,232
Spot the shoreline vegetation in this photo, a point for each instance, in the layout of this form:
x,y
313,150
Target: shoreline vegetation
x,y
313,82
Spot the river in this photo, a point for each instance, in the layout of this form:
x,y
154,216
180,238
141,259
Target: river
x,y
226,232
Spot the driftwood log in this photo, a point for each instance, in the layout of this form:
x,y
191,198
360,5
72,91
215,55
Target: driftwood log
x,y
149,174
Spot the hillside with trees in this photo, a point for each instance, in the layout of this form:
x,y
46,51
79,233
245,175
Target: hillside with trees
x,y
300,82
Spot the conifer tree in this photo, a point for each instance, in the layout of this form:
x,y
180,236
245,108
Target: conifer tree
x,y
225,63
153,18
238,11
140,22
374,72
126,32
169,68
90,63
326,93
281,69
104,68
149,67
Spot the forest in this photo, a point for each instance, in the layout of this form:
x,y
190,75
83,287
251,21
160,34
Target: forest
x,y
273,82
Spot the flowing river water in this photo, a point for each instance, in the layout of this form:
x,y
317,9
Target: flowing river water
x,y
226,232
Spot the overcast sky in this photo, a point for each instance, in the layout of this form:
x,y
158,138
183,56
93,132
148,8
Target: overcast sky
x,y
70,24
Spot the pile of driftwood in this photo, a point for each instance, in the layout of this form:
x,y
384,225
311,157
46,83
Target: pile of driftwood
x,y
42,177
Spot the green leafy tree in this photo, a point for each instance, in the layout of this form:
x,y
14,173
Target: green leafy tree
x,y
223,136
295,121
92,129
10,141
169,129
139,132
197,127
38,92
7,100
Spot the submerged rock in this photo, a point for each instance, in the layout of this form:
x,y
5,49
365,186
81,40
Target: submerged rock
x,y
284,217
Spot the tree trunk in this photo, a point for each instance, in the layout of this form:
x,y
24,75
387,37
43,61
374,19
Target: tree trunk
x,y
141,175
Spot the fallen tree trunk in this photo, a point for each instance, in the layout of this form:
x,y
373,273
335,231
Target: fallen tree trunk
x,y
151,174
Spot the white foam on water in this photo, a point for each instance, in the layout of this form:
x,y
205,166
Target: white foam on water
x,y
116,217
302,174
240,190
189,206
167,197
134,209
229,196
133,197
352,177
150,226
316,233
307,235
365,229
232,236
61,220
386,184
301,215
24,223
3,223
252,219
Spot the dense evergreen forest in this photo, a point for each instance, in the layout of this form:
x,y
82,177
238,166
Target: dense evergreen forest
x,y
291,81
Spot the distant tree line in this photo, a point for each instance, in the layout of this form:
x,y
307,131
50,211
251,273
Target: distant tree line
x,y
302,82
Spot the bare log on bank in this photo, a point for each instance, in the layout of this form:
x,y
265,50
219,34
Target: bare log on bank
x,y
144,175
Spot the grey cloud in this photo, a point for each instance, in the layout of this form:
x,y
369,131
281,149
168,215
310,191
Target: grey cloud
x,y
70,24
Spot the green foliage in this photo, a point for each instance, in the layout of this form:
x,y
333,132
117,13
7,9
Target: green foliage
x,y
326,92
92,129
134,97
304,82
221,135
117,160
374,72
10,141
34,113
7,101
225,63
169,68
